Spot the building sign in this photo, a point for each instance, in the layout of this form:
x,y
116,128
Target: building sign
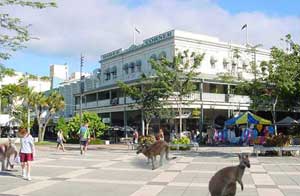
x,y
158,38
146,42
113,53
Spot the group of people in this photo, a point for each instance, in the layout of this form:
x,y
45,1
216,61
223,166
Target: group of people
x,y
84,138
239,134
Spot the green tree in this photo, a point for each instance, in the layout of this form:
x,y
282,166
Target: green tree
x,y
45,107
179,77
276,84
63,126
14,32
96,126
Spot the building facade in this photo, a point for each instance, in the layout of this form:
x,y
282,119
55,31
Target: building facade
x,y
214,98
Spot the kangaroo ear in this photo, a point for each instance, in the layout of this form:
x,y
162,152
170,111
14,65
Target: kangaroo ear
x,y
240,156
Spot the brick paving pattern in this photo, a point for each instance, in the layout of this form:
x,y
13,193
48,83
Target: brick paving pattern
x,y
115,171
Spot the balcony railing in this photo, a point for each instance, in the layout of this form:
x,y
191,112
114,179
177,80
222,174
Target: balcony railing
x,y
239,99
213,97
91,104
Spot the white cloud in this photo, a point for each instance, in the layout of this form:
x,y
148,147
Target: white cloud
x,y
98,26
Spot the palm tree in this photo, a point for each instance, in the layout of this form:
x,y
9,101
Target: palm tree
x,y
45,108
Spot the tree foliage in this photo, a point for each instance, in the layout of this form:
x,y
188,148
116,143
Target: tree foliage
x,y
96,126
63,126
14,33
149,95
278,83
179,76
45,107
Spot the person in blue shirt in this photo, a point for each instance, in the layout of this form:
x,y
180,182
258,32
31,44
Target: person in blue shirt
x,y
84,134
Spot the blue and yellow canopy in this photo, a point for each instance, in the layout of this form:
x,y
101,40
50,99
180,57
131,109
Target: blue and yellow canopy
x,y
247,118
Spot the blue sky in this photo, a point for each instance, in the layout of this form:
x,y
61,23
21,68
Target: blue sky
x,y
100,26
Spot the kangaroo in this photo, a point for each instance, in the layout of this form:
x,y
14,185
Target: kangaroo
x,y
6,151
223,183
158,148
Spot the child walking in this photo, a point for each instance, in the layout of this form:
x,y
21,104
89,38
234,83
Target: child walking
x,y
60,140
27,153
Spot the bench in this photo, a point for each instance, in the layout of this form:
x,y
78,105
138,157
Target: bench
x,y
262,149
192,145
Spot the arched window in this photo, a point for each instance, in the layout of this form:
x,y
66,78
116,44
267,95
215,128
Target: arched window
x,y
131,66
153,57
125,68
162,55
139,65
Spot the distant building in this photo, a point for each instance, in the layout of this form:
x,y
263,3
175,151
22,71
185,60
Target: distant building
x,y
58,73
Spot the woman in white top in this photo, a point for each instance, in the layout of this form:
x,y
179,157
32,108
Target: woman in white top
x,y
27,152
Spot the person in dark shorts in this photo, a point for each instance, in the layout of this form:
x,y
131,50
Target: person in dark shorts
x,y
84,134
27,152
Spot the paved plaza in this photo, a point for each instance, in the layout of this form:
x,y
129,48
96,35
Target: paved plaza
x,y
115,171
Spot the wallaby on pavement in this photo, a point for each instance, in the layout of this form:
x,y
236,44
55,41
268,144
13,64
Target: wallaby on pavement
x,y
151,151
6,151
223,183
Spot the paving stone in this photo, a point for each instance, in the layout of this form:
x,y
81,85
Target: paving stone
x,y
121,172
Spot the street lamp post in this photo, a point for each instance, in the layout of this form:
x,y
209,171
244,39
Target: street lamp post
x,y
81,88
201,113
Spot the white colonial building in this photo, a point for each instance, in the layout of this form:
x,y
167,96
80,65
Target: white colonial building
x,y
213,97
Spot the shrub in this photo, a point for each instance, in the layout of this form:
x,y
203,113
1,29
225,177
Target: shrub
x,y
149,139
72,141
182,140
97,141
278,140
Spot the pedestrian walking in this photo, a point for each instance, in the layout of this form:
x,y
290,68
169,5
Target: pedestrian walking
x,y
27,153
135,136
60,140
84,134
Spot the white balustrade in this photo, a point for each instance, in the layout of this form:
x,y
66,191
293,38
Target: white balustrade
x,y
215,97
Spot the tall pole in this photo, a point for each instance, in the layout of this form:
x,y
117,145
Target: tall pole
x,y
133,36
201,113
125,116
81,88
247,36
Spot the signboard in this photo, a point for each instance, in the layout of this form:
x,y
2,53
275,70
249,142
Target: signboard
x,y
146,42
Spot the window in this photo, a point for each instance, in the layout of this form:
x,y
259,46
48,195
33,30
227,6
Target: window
x,y
131,66
125,68
213,61
212,88
107,74
139,65
162,55
91,97
225,63
103,95
153,57
113,71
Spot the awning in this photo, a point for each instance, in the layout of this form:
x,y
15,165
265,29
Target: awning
x,y
247,118
287,121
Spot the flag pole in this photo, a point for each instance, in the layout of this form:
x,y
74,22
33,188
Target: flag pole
x,y
247,35
133,35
